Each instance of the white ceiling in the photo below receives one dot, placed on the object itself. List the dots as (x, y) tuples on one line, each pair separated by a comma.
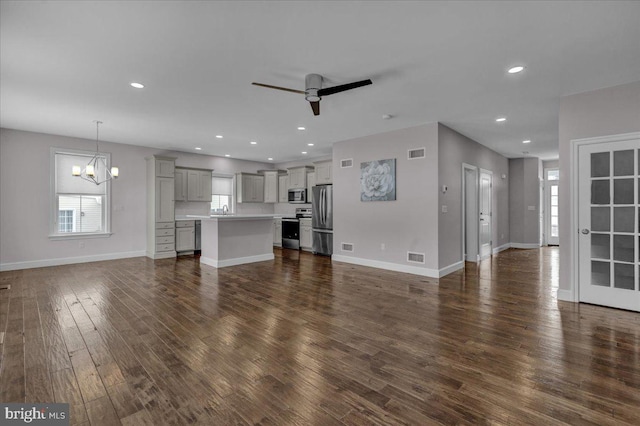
[(64, 64)]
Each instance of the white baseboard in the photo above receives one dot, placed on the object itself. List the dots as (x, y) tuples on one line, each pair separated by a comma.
[(425, 272), (565, 295), (451, 268), (525, 245), (236, 261), (501, 248), (69, 260), (161, 255)]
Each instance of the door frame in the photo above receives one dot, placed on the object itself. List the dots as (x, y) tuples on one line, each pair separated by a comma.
[(463, 226), (574, 208), (490, 173)]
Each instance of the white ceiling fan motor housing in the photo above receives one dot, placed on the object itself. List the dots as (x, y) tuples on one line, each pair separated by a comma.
[(312, 83)]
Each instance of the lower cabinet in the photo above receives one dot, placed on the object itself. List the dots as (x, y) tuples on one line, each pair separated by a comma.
[(277, 232), (185, 235), (306, 240)]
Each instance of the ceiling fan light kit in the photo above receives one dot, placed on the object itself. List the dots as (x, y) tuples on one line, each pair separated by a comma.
[(314, 92)]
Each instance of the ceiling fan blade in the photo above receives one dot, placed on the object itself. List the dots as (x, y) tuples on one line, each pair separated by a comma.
[(337, 89), (315, 106), (278, 88)]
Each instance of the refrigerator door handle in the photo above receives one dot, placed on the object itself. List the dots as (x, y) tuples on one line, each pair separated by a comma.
[(324, 206)]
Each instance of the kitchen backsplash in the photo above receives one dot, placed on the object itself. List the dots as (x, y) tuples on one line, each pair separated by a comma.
[(203, 209)]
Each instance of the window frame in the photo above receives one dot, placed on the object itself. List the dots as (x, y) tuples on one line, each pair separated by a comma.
[(232, 207), (54, 233)]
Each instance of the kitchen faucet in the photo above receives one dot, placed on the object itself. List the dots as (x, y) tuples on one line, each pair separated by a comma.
[(225, 209)]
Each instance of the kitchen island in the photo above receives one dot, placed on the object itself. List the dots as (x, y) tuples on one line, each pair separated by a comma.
[(229, 240)]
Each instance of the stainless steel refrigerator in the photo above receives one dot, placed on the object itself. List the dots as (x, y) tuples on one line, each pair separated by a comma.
[(322, 219)]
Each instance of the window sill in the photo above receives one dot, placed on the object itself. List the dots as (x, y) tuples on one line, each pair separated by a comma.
[(60, 237)]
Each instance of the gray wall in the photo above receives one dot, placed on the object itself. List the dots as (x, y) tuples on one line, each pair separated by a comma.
[(25, 202), (603, 112), (524, 191), (453, 150), (408, 224)]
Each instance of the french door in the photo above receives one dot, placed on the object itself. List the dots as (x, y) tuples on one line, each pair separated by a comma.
[(608, 223), (551, 212)]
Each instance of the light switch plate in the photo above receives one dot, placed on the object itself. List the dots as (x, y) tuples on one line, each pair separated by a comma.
[(532, 207)]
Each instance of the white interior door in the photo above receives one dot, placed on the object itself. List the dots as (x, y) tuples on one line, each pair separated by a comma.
[(551, 212), (485, 214), (608, 204), (470, 216)]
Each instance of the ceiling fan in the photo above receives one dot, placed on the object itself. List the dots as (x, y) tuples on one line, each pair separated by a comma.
[(314, 92)]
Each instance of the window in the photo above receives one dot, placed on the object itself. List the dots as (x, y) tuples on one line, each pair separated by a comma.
[(221, 194), (79, 208), (66, 221), (553, 174)]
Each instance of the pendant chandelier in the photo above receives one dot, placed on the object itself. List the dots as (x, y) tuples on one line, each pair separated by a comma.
[(93, 170)]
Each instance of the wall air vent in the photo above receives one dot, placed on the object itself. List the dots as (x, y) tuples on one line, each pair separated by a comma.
[(415, 257), (348, 162), (416, 153), (347, 247)]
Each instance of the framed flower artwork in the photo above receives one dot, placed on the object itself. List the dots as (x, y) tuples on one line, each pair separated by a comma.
[(378, 180)]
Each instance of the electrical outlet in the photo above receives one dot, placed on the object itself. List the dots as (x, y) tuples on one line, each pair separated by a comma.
[(382, 246), (444, 209), (81, 244)]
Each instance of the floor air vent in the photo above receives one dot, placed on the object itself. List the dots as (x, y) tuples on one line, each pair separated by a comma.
[(415, 257), (416, 153), (347, 247), (346, 163)]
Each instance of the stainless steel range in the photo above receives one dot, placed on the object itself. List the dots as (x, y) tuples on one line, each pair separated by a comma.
[(291, 229)]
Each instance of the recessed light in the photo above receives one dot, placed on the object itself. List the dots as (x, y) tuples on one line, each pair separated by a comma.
[(227, 155), (219, 136), (198, 148), (304, 152), (137, 85), (501, 119), (310, 144), (515, 70), (254, 143), (527, 141), (301, 128), (387, 116), (270, 159)]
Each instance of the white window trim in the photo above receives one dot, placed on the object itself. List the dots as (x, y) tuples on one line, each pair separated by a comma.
[(53, 200)]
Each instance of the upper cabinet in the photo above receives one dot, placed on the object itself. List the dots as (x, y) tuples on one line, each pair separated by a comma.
[(198, 185), (165, 168), (192, 185), (324, 172), (283, 188), (249, 188), (298, 177), (181, 185), (271, 184)]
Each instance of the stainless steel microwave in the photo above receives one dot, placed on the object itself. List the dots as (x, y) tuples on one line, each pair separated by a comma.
[(298, 196)]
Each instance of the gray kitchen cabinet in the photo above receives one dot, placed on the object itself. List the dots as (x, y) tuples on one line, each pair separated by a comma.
[(160, 207), (298, 177), (185, 236), (198, 185), (181, 185), (324, 172), (283, 188), (249, 188), (277, 232), (270, 185), (306, 240), (311, 182)]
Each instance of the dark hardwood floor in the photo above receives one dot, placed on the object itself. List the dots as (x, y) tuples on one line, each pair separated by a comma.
[(302, 341)]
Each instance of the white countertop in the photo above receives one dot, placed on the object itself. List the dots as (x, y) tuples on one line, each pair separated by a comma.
[(232, 216)]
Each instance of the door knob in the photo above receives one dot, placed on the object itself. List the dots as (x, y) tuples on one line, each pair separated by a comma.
[(585, 231)]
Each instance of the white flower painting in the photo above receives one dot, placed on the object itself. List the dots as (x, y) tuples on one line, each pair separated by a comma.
[(378, 180)]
